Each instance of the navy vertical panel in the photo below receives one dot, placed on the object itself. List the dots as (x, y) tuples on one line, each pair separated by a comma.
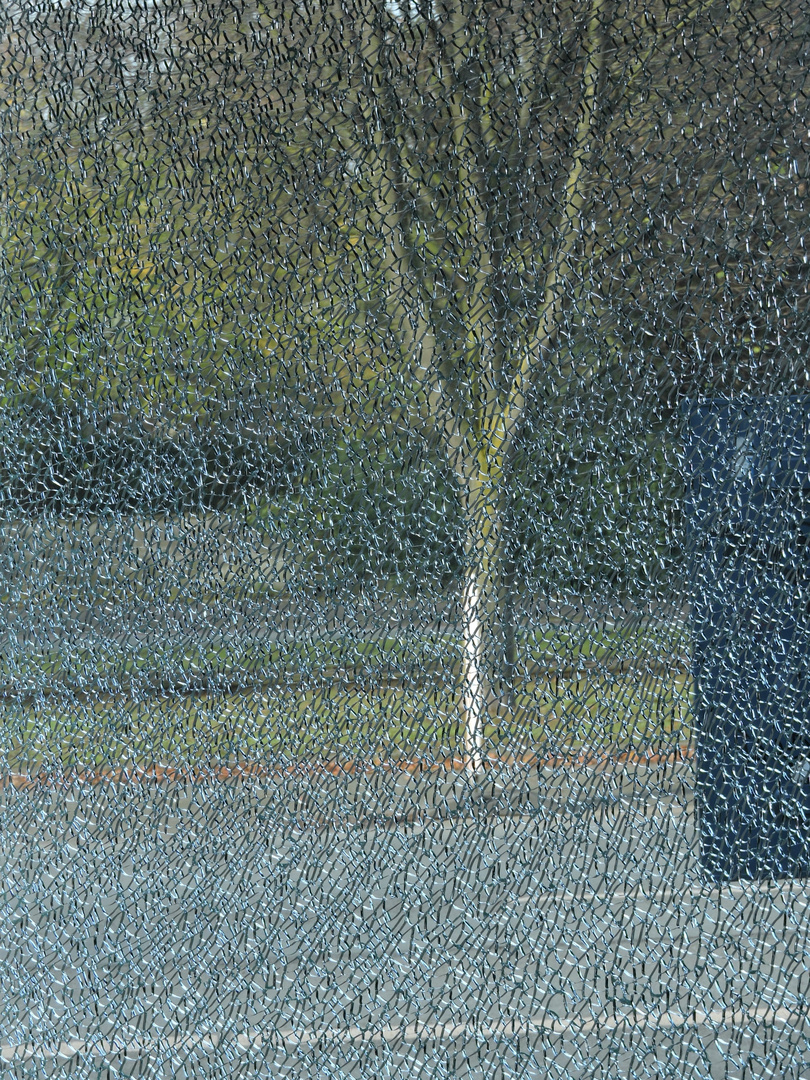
[(748, 524)]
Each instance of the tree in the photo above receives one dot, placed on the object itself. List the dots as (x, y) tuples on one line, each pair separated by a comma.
[(534, 197)]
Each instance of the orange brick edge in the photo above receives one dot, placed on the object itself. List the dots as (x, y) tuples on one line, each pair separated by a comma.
[(255, 771)]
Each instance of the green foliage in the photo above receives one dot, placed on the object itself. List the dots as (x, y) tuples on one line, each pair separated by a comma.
[(595, 495), (55, 462), (379, 511)]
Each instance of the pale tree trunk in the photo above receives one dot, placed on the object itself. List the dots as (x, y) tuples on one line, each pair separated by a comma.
[(475, 688), (485, 645)]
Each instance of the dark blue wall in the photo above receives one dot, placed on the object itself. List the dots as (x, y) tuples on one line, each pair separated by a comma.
[(748, 525)]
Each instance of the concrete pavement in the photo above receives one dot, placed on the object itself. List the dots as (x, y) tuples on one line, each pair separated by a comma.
[(549, 924)]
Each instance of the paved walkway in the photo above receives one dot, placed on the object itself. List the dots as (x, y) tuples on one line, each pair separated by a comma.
[(555, 925)]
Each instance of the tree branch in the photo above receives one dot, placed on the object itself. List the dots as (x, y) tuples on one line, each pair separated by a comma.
[(504, 425)]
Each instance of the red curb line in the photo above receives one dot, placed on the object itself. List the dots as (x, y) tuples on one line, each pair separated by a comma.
[(222, 773)]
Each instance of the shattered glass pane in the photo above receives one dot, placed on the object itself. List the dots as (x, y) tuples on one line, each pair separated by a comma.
[(404, 517)]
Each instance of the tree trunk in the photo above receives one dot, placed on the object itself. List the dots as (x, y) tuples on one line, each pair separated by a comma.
[(488, 646)]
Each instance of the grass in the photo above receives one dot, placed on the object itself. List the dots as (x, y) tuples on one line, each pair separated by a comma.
[(338, 697), (331, 718), (410, 655)]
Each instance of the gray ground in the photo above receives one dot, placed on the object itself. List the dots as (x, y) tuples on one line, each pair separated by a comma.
[(552, 925)]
